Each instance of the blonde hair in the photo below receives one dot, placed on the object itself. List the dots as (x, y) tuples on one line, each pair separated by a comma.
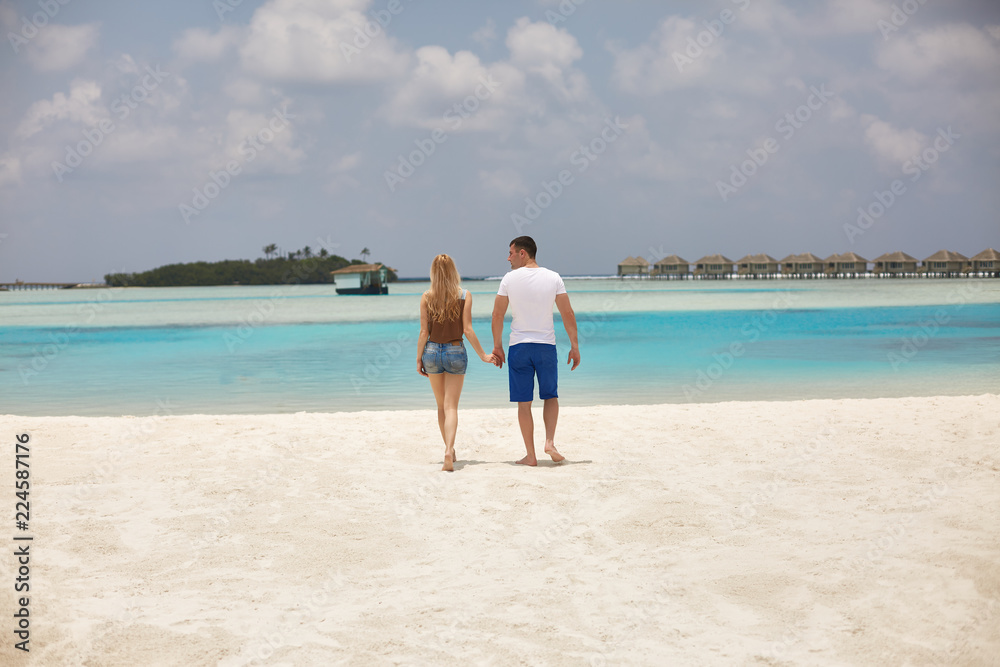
[(444, 301)]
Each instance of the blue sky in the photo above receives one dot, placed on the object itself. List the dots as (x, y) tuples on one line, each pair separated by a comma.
[(141, 134)]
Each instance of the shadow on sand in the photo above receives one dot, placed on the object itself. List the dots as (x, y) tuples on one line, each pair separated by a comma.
[(541, 463), (545, 463)]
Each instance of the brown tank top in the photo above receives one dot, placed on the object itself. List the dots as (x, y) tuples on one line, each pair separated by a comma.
[(449, 331)]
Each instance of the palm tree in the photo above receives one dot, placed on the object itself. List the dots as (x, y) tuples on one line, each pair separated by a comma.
[(364, 253), (270, 249), (307, 251), (323, 253)]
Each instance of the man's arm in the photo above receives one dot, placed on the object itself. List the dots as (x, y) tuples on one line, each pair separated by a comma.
[(499, 310), (569, 321)]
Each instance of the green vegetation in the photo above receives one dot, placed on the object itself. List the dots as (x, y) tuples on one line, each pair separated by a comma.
[(298, 266)]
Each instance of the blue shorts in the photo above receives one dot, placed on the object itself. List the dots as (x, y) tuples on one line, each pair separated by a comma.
[(524, 361), (444, 358)]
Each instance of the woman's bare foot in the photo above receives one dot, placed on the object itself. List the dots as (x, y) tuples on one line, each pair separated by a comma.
[(556, 456), (528, 461), (449, 462)]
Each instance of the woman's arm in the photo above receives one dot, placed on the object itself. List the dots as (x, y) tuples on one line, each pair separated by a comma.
[(470, 333), (424, 333)]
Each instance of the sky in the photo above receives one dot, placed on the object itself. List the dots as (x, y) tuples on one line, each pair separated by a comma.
[(134, 135)]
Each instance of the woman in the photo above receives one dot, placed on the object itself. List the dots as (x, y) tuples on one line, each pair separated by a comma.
[(446, 314)]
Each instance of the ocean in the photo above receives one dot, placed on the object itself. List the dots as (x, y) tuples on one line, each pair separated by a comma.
[(285, 349)]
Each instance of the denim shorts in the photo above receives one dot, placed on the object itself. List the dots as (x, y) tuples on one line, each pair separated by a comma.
[(444, 358)]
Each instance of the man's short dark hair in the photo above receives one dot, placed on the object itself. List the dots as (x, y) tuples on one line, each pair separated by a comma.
[(525, 243)]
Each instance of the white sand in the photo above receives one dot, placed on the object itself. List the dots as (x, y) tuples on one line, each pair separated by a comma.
[(814, 532)]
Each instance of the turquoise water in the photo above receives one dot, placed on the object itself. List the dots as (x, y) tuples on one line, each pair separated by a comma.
[(303, 348)]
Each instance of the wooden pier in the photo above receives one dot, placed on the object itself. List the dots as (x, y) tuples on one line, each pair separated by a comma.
[(20, 285)]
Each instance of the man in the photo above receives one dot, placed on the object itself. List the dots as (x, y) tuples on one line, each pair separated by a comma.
[(530, 290)]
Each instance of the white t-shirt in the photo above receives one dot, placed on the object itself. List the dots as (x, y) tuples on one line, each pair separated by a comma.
[(532, 293)]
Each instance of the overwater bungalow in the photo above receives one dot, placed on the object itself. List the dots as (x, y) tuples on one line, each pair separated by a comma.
[(846, 264), (757, 265), (633, 266), (806, 264), (945, 262), (788, 265), (714, 265), (988, 262), (372, 278), (672, 266), (895, 263)]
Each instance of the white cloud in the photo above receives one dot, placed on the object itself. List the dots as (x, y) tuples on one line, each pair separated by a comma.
[(486, 35), (455, 93), (245, 91), (320, 41), (670, 59), (82, 105), (841, 110), (955, 51), (541, 46), (542, 49), (764, 16), (279, 154), (10, 169), (851, 16), (892, 147), (199, 44), (59, 47)]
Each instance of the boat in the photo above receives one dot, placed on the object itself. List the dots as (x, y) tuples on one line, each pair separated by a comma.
[(372, 278)]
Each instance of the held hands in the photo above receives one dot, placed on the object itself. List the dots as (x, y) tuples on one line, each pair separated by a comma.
[(489, 358), (498, 356)]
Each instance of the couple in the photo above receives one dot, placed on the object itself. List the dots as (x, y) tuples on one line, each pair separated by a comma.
[(446, 314)]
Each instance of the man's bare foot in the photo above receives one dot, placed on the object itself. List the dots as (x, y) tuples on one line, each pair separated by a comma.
[(556, 456), (528, 461), (449, 461)]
